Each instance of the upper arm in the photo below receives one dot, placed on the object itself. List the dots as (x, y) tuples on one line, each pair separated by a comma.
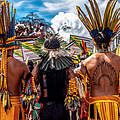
[(26, 70), (34, 73), (70, 73)]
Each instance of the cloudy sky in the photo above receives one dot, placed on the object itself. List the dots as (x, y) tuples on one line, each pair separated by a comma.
[(59, 13), (49, 8)]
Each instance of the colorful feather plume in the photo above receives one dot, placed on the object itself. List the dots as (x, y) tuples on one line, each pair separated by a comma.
[(95, 25), (7, 25)]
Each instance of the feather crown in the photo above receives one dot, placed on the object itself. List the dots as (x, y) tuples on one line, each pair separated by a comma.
[(102, 31), (7, 25)]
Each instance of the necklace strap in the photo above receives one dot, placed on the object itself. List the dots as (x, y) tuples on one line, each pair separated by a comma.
[(102, 51)]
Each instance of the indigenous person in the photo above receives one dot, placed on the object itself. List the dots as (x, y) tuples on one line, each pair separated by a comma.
[(17, 71), (12, 71), (83, 112), (43, 29), (102, 69), (52, 74)]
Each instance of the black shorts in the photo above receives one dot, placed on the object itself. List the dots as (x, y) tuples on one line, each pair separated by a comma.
[(92, 112), (54, 111)]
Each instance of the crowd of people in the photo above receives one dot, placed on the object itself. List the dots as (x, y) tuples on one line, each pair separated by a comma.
[(54, 88), (30, 30)]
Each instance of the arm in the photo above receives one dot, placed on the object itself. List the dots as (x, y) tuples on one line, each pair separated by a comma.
[(38, 75), (81, 73), (26, 72), (34, 73), (40, 80), (25, 76)]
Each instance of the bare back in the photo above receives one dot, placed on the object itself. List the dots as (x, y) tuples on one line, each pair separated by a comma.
[(16, 72), (103, 71)]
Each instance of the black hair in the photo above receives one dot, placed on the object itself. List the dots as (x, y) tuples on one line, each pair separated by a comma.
[(30, 65), (52, 43), (102, 40)]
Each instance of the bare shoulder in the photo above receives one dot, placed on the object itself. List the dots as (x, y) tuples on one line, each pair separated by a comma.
[(89, 59), (21, 64), (114, 60), (116, 57), (97, 58), (90, 62)]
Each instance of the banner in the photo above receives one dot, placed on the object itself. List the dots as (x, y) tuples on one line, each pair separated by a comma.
[(27, 51), (78, 40)]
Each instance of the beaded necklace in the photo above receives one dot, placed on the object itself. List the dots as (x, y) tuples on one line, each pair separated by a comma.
[(72, 99), (4, 93), (102, 51)]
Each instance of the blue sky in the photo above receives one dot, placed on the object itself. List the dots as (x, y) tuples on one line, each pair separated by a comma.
[(48, 9), (59, 13)]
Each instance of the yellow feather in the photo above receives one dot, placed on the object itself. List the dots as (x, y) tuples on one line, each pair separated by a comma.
[(0, 25), (87, 20), (111, 12), (98, 13), (27, 60), (115, 24), (83, 21), (114, 17), (94, 13), (91, 17), (2, 20), (114, 29), (1, 29), (105, 14), (3, 2), (6, 20)]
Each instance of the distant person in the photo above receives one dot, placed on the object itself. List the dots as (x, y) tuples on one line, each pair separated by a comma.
[(17, 71), (42, 29), (12, 71)]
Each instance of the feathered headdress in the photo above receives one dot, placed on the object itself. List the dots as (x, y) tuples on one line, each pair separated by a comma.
[(57, 58), (7, 25), (102, 32)]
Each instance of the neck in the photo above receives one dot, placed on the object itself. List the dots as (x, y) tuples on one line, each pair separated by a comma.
[(102, 50)]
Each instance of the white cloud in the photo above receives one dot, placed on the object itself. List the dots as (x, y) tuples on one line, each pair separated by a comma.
[(68, 24), (18, 4), (70, 18), (57, 5), (23, 3), (66, 5), (69, 6)]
